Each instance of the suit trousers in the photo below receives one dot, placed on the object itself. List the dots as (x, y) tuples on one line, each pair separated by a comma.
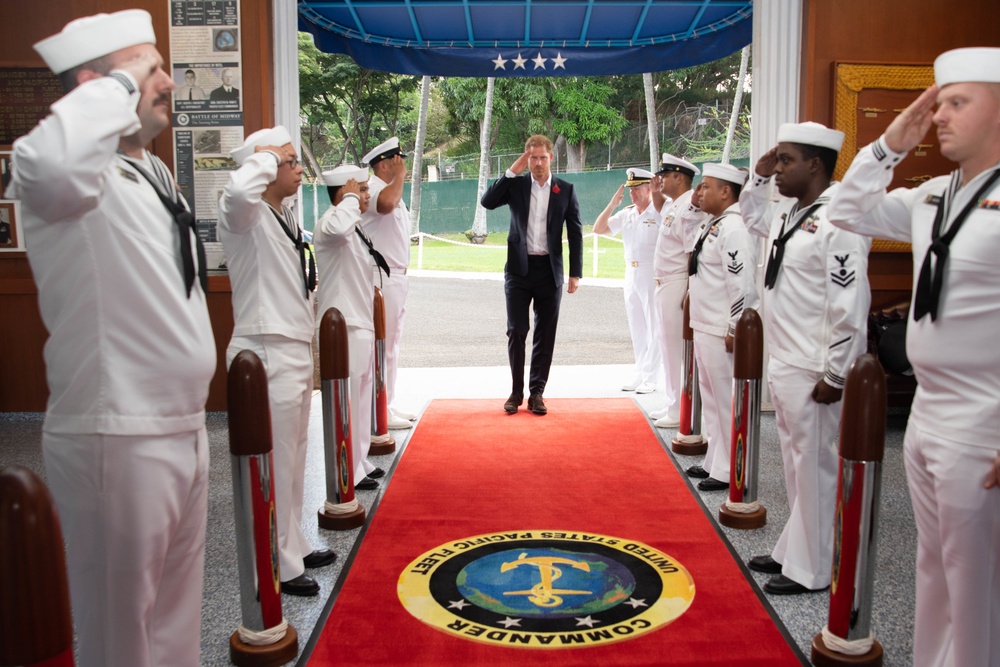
[(715, 378), (289, 365), (538, 290), (133, 511), (669, 297)]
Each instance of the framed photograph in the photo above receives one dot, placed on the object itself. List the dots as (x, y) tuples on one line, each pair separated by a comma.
[(5, 166), (11, 238)]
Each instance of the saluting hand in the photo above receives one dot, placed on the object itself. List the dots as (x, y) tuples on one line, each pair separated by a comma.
[(909, 127), (141, 67), (350, 186), (617, 198), (767, 162), (520, 164)]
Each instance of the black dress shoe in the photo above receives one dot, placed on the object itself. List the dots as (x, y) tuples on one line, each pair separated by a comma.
[(319, 558), (697, 471), (712, 484), (513, 403), (377, 473), (764, 564), (302, 585), (779, 584), (537, 405), (367, 484)]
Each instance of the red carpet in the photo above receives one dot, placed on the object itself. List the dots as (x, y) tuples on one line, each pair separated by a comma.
[(591, 475)]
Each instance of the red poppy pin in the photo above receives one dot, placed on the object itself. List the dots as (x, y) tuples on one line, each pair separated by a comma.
[(555, 189)]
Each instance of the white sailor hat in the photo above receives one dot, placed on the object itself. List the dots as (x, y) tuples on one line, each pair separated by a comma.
[(91, 37), (725, 172), (638, 177), (812, 134), (383, 151), (345, 172), (671, 163), (979, 64), (269, 136)]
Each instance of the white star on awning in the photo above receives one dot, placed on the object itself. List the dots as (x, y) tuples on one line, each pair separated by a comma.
[(558, 61), (519, 62), (539, 61), (499, 62)]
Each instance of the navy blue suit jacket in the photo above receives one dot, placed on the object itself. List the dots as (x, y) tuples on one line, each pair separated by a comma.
[(563, 209)]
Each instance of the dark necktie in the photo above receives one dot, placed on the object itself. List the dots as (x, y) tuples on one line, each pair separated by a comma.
[(308, 275), (190, 94), (927, 297), (696, 251), (165, 189), (379, 259), (778, 247)]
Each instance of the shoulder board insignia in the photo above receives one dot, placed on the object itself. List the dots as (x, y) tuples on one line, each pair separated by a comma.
[(630, 206), (933, 200), (128, 174)]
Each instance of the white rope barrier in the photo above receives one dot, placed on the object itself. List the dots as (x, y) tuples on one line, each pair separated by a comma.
[(421, 236)]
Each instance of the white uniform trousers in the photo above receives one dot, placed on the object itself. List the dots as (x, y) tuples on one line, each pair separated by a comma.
[(394, 288), (133, 511), (808, 432), (641, 312), (668, 298), (289, 366), (715, 379), (361, 359), (957, 620)]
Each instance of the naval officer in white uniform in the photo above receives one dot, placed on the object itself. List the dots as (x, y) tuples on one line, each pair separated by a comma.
[(816, 302), (952, 446), (130, 352)]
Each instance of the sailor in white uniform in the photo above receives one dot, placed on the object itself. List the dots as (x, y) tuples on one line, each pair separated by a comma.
[(387, 223), (344, 257), (638, 225), (273, 277), (721, 273), (130, 352), (952, 446), (816, 302), (671, 190)]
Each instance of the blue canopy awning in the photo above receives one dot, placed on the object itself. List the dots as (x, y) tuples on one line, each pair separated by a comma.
[(506, 38)]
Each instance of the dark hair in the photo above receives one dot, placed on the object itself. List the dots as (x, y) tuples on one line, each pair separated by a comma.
[(827, 156), (332, 190), (100, 65), (188, 71)]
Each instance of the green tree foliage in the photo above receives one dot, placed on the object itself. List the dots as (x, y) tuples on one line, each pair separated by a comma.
[(583, 116), (521, 107)]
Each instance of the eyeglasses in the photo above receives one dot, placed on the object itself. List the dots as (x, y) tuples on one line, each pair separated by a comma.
[(293, 163)]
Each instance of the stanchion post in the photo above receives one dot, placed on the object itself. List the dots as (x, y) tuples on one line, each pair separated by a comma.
[(341, 511), (689, 441), (256, 533), (382, 442), (36, 624), (846, 639), (742, 510)]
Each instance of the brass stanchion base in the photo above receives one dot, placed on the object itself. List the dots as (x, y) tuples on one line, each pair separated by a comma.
[(822, 656), (740, 521), (282, 651), (382, 448), (696, 448), (341, 521)]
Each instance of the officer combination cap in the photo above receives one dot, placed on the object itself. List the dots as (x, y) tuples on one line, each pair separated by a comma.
[(725, 172), (345, 172), (811, 134), (91, 37), (383, 151), (980, 64), (671, 163), (271, 136), (638, 177)]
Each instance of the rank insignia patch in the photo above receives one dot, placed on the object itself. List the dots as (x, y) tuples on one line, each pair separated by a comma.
[(842, 276), (543, 589), (735, 267)]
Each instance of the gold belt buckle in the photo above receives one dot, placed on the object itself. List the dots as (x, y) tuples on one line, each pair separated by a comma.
[(635, 264)]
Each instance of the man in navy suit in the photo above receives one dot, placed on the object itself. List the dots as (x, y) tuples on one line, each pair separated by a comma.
[(540, 205)]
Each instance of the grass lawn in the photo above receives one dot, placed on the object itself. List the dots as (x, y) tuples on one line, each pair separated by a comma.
[(491, 256)]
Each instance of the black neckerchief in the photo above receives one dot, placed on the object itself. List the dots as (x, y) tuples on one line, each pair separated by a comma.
[(778, 247), (308, 274), (693, 259), (927, 296), (379, 259)]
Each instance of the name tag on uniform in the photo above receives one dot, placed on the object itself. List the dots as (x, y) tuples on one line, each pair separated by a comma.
[(128, 174), (989, 204)]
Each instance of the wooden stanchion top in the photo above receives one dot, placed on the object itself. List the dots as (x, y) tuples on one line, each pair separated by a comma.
[(862, 422), (748, 347), (686, 305), (249, 410), (35, 619), (334, 362), (379, 315)]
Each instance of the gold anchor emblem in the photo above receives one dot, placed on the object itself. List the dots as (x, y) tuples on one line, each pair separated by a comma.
[(542, 593)]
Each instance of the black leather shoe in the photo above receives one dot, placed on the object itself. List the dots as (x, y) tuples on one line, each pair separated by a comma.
[(764, 564), (377, 473), (537, 405), (319, 558), (513, 403), (697, 471), (779, 584), (367, 484), (712, 484), (302, 585)]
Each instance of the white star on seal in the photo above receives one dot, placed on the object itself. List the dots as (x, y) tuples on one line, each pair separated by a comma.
[(519, 61), (509, 622), (499, 62), (458, 604), (558, 61), (635, 604), (539, 61), (588, 621)]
